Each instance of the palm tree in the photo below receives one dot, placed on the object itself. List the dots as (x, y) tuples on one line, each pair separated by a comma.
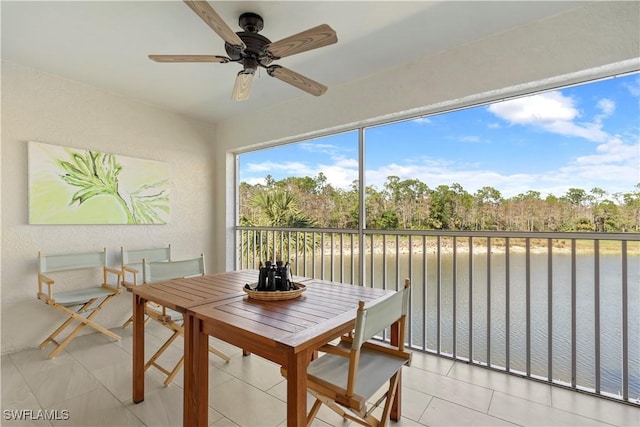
[(279, 209)]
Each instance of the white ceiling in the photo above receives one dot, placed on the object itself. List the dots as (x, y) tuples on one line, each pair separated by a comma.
[(106, 43)]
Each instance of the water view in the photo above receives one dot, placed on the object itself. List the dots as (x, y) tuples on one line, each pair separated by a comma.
[(493, 300)]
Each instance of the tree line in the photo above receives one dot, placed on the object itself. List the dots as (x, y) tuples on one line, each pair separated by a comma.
[(411, 204)]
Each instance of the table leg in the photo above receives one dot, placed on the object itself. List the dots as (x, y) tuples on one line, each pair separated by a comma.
[(138, 349), (396, 408), (297, 389), (196, 373)]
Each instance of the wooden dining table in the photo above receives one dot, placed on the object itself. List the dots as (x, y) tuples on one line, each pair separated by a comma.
[(287, 332)]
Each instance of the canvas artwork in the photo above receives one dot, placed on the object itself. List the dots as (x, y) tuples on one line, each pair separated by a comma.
[(75, 186)]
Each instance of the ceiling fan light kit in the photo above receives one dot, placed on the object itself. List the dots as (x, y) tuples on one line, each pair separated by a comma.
[(254, 50), (242, 87)]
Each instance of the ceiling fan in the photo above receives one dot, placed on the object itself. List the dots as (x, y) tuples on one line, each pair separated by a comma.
[(253, 50)]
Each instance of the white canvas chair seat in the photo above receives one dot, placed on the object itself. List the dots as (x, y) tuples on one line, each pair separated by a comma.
[(80, 305), (350, 373), (155, 272), (81, 296), (131, 259)]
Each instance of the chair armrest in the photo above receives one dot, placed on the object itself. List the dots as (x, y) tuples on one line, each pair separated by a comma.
[(113, 270), (381, 347), (47, 281), (134, 274), (332, 349), (118, 273), (390, 350)]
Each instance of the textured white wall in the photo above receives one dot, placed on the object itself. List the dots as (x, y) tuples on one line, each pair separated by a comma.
[(41, 107), (596, 40)]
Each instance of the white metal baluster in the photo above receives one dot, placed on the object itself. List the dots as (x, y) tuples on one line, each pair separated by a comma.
[(625, 323), (438, 293), (470, 299), (507, 302), (574, 348), (528, 304), (489, 301), (596, 314), (549, 309), (454, 279)]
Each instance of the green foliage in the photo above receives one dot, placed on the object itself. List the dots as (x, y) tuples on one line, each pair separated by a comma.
[(411, 204), (275, 208)]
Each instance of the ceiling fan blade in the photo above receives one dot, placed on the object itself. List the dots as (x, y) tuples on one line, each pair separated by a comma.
[(189, 58), (242, 87), (213, 20), (313, 38), (297, 80)]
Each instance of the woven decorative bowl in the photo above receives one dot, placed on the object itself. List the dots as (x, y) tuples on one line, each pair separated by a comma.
[(275, 295)]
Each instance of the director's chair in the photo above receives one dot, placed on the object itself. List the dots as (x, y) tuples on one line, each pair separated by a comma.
[(155, 272), (79, 304), (348, 376)]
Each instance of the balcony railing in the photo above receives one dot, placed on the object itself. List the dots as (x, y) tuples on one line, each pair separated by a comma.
[(562, 308)]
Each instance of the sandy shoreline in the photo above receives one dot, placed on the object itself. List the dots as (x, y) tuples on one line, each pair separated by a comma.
[(460, 248)]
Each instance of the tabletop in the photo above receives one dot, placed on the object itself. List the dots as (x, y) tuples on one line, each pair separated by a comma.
[(183, 293), (300, 323)]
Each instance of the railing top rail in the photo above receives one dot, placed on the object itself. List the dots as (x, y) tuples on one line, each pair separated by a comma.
[(632, 237)]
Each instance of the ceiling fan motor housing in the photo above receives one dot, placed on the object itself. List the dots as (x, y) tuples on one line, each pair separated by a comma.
[(251, 22), (254, 54)]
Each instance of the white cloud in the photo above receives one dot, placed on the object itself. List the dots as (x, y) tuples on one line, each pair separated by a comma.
[(472, 139), (347, 162), (607, 106), (339, 176), (329, 149), (296, 168), (589, 131), (553, 112), (633, 87), (422, 120), (538, 109)]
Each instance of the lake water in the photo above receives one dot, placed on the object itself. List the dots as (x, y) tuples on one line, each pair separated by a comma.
[(492, 299)]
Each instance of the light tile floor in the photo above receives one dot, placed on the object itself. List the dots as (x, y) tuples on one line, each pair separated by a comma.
[(91, 382)]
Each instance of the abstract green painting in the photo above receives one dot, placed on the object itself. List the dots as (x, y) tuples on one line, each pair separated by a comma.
[(74, 186)]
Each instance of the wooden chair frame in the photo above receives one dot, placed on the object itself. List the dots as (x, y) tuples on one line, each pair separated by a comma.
[(384, 361), (83, 299), (154, 272), (131, 257)]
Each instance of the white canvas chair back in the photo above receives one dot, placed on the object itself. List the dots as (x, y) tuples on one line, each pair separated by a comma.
[(372, 320), (132, 257), (135, 256), (162, 271), (51, 263), (131, 263)]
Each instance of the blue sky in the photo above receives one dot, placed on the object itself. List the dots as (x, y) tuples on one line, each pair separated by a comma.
[(584, 136)]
